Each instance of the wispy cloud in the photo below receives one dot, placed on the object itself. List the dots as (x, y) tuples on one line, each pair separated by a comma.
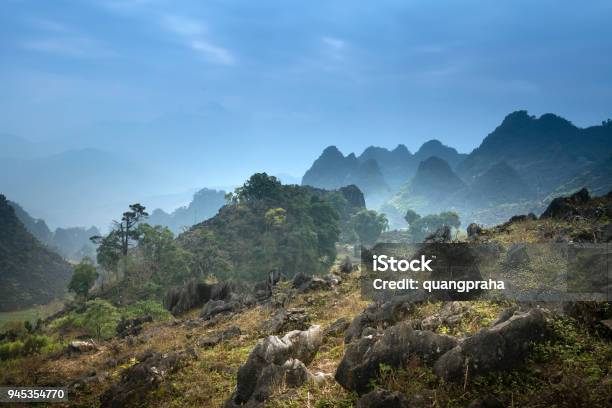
[(69, 46), (214, 53), (334, 43), (194, 34)]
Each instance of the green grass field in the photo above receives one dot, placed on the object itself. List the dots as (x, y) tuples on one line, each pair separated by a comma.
[(31, 314)]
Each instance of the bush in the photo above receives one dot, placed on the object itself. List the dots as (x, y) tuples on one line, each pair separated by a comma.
[(146, 308), (30, 344), (11, 350)]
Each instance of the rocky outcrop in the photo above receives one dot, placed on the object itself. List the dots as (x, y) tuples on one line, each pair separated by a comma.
[(337, 328), (498, 347), (143, 377), (566, 207), (378, 315), (273, 361), (211, 340), (450, 316), (305, 283), (80, 346), (213, 308), (392, 347), (131, 327), (286, 320), (195, 294)]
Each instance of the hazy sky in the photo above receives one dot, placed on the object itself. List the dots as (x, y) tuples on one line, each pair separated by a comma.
[(215, 90)]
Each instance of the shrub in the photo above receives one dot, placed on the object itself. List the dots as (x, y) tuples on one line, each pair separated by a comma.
[(146, 308)]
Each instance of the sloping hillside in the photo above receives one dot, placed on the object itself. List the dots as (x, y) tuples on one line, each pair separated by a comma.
[(29, 273)]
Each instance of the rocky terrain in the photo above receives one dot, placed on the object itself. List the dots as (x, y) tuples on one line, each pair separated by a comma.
[(314, 342)]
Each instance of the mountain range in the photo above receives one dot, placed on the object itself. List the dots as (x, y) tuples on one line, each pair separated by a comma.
[(71, 243), (519, 167)]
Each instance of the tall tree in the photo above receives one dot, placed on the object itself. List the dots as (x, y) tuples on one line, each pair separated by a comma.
[(117, 242)]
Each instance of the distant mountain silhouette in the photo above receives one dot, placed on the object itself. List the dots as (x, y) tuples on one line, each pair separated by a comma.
[(378, 172), (435, 148), (546, 151), (29, 272), (333, 170), (72, 243), (205, 204), (500, 184)]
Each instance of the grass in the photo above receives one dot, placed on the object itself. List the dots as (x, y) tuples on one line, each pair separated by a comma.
[(31, 314)]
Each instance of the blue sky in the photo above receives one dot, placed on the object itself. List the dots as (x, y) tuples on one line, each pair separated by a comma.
[(211, 91)]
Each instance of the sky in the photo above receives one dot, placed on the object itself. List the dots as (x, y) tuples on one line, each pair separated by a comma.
[(212, 91)]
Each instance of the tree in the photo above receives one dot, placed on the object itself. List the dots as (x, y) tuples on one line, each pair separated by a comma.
[(100, 318), (369, 225), (411, 216), (423, 226), (83, 278), (117, 243), (163, 259), (259, 186)]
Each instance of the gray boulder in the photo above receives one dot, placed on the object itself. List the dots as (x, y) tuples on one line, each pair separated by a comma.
[(363, 357), (379, 315), (337, 328), (495, 348), (276, 359), (286, 320), (215, 307)]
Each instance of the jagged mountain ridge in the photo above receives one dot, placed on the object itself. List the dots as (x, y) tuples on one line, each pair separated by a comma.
[(71, 243), (378, 172), (546, 151)]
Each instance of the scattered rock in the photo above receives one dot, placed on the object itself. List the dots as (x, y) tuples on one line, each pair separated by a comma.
[(498, 347), (132, 327), (137, 380), (215, 307), (376, 314), (474, 230), (305, 283), (363, 358), (286, 320), (275, 359), (80, 346), (337, 328), (564, 208), (213, 339), (194, 294), (450, 315), (383, 399)]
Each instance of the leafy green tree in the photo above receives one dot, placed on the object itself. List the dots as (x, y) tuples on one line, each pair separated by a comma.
[(369, 225), (83, 278), (164, 260), (411, 216), (423, 226), (100, 318), (260, 186)]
